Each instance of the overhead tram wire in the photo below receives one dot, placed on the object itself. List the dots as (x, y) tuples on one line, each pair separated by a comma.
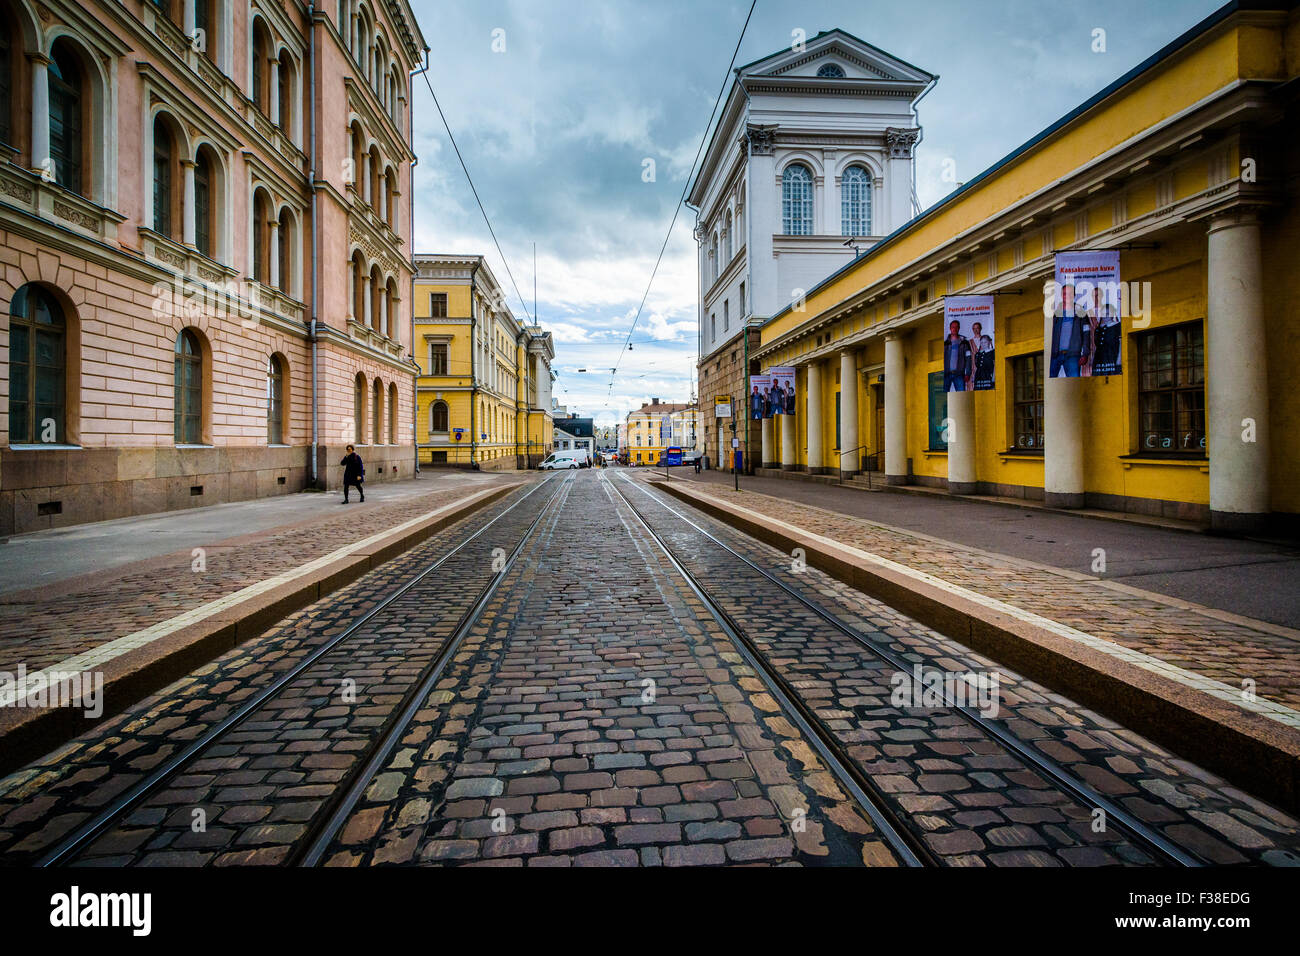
[(681, 199), (505, 262)]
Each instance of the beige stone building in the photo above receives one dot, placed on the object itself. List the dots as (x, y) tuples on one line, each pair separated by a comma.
[(205, 247)]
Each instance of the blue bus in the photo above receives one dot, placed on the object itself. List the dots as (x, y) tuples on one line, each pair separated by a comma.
[(671, 456)]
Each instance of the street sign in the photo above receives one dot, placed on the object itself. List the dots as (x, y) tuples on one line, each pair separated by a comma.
[(722, 406)]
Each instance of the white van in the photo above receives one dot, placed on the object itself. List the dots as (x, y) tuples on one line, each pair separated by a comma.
[(563, 459)]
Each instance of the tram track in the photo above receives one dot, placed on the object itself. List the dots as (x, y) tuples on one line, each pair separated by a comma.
[(366, 625), (747, 576)]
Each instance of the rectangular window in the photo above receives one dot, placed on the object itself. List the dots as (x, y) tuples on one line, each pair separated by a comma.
[(162, 189), (726, 314), (713, 326), (1027, 402), (1171, 391), (438, 358), (938, 413), (740, 305), (438, 305)]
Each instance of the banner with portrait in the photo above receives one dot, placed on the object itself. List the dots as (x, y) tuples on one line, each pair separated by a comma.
[(781, 394), (968, 357), (760, 399), (1086, 311)]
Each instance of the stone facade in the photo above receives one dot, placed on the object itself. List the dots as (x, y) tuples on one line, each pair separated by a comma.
[(723, 373), (182, 230)]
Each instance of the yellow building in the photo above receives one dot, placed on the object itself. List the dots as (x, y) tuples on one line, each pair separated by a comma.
[(1183, 166), (649, 431), (484, 391)]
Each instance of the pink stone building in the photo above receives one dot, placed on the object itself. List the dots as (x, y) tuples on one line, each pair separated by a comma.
[(205, 231)]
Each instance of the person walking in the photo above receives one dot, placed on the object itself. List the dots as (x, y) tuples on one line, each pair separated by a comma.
[(354, 473)]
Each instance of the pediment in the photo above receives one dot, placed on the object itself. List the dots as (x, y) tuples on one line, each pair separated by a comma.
[(857, 59)]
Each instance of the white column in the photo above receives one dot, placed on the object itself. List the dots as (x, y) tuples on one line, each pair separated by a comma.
[(788, 457), (769, 453), (961, 443), (274, 95), (1236, 356), (850, 454), (188, 212), (41, 112), (187, 20), (273, 251), (814, 388), (895, 412), (1063, 441)]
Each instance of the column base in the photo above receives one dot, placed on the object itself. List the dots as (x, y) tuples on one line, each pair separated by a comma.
[(895, 479), (820, 470), (1058, 499), (963, 487), (1234, 522), (771, 464), (785, 467), (846, 475)]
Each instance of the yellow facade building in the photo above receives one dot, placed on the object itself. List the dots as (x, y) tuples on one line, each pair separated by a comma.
[(650, 430), (1184, 166), (484, 390)]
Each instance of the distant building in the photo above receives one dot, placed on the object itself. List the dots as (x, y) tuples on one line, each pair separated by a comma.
[(571, 433), (484, 392), (649, 430)]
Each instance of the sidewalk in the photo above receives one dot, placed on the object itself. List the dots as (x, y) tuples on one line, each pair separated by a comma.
[(1251, 578), (150, 594)]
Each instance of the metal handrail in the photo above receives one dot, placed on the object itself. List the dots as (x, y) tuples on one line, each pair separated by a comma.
[(850, 452)]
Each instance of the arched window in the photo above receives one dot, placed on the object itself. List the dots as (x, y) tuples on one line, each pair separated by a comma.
[(855, 202), (285, 91), (376, 178), (205, 202), (166, 215), (376, 298), (275, 401), (715, 266), (797, 200), (188, 389), (377, 414), (68, 120), (438, 418), (390, 196), (392, 413), (359, 410), (831, 71), (284, 250), (726, 234), (262, 67), (11, 48), (357, 180), (37, 361), (262, 237), (358, 288), (390, 308)]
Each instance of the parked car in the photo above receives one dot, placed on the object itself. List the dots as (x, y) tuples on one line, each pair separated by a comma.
[(563, 459)]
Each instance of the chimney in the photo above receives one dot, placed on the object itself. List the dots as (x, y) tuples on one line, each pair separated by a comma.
[(654, 401)]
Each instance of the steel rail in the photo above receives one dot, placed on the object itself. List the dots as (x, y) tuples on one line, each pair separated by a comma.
[(1142, 834), (910, 849), (130, 799)]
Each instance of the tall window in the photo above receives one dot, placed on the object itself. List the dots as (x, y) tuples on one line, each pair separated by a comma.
[(359, 410), (37, 356), (1171, 390), (275, 401), (740, 303), (713, 257), (855, 202), (262, 91), (726, 314), (67, 117), (438, 305), (8, 35), (797, 201), (164, 194), (205, 19), (261, 237), (1027, 401), (438, 358), (377, 413), (188, 389), (938, 413), (285, 92), (713, 326), (203, 200), (284, 250), (392, 413), (727, 241)]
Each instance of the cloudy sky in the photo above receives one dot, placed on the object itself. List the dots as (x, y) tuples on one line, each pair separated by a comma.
[(557, 104)]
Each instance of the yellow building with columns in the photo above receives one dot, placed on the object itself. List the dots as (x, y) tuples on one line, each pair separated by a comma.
[(1186, 166), (484, 390)]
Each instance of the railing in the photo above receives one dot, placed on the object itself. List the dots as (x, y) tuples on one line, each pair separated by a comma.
[(861, 458)]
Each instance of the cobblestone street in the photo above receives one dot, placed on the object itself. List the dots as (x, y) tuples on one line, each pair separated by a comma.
[(529, 687)]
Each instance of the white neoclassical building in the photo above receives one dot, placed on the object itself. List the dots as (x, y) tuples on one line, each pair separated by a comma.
[(811, 161)]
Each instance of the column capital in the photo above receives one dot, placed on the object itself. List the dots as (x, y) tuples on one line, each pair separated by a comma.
[(1235, 216), (39, 59)]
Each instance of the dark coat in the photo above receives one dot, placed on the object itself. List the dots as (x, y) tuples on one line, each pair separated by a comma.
[(354, 469), (962, 346)]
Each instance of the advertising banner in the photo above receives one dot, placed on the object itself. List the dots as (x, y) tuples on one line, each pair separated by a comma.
[(968, 343), (760, 401), (1086, 304), (781, 394)]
